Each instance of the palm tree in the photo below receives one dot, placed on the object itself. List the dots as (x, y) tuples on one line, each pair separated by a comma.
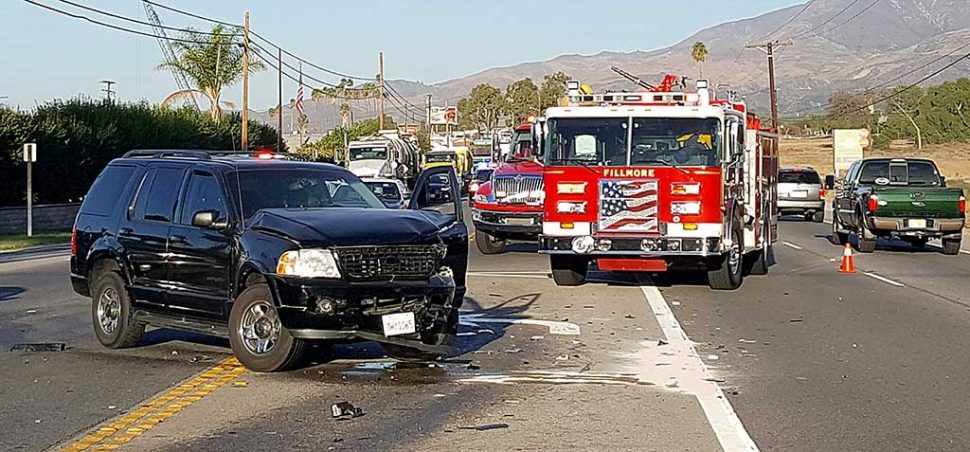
[(345, 114), (212, 62), (699, 53)]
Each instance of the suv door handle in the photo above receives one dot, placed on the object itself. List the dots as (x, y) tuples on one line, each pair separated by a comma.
[(179, 238)]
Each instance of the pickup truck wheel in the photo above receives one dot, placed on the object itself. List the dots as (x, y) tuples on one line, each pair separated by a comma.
[(443, 336), (951, 247), (728, 275), (111, 311), (867, 240), (569, 270), (489, 244), (258, 339), (819, 216), (840, 238)]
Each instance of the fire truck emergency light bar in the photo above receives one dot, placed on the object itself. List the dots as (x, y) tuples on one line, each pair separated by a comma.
[(687, 99)]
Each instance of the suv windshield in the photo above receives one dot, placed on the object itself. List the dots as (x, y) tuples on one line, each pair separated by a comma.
[(653, 141), (483, 175), (300, 189), (375, 153), (798, 177)]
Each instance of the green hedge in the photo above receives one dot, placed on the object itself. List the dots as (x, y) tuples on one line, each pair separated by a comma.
[(77, 138)]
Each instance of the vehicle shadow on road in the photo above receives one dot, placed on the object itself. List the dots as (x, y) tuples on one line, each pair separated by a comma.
[(163, 336), (895, 246), (10, 293)]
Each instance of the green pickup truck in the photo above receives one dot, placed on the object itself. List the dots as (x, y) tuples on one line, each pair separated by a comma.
[(897, 198)]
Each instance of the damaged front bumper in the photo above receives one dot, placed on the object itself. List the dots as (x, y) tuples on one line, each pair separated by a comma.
[(315, 309)]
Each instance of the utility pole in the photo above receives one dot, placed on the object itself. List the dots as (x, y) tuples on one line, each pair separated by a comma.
[(279, 111), (381, 82), (245, 103), (107, 88), (769, 48), (429, 115)]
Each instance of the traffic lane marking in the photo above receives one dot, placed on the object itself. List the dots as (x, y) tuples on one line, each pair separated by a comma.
[(115, 433), (727, 426), (883, 279), (792, 245)]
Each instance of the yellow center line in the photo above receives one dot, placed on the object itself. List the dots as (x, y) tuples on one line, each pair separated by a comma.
[(121, 430)]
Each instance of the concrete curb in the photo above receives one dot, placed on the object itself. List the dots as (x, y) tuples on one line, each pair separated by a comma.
[(34, 252)]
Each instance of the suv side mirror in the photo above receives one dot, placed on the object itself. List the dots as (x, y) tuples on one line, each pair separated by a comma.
[(830, 182), (209, 219), (942, 181)]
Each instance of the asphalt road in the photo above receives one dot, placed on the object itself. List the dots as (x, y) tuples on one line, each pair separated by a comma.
[(808, 359)]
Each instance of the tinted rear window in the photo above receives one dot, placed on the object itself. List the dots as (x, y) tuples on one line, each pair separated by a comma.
[(106, 192), (798, 177)]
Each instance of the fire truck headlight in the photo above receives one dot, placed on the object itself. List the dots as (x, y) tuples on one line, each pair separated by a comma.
[(480, 199), (571, 207), (685, 208), (584, 245), (680, 188), (604, 244), (571, 188)]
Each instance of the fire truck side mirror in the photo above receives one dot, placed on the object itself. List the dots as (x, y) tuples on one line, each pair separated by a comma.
[(735, 130), (538, 137)]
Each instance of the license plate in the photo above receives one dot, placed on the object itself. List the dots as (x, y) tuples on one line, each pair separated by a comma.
[(918, 224), (799, 194), (520, 221), (398, 324)]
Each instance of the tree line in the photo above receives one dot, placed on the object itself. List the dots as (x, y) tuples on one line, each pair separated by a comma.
[(77, 138), (933, 115), (487, 105)]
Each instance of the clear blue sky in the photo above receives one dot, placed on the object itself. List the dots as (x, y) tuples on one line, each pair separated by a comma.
[(47, 55)]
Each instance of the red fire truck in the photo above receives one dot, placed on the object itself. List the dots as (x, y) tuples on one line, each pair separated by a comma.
[(509, 206), (659, 180)]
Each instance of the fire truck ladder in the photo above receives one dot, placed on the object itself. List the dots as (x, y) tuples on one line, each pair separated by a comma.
[(167, 51), (667, 85)]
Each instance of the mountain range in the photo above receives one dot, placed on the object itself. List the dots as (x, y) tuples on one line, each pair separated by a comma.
[(834, 48)]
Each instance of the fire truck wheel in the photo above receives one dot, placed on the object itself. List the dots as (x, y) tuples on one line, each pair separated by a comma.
[(569, 270), (728, 275), (488, 244), (757, 262)]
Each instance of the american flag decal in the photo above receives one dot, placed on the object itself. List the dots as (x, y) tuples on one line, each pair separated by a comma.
[(628, 206)]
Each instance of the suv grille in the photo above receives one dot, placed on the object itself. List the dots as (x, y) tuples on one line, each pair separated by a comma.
[(368, 263), (519, 189)]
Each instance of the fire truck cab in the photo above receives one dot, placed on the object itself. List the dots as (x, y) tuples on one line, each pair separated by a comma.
[(655, 181)]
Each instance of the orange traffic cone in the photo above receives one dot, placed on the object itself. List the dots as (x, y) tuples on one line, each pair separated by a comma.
[(847, 265)]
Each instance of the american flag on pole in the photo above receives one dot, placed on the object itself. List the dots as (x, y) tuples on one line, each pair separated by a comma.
[(628, 206), (299, 94)]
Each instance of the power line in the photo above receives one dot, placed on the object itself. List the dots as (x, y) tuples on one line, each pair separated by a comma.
[(819, 26), (402, 98), (128, 19), (886, 83), (412, 110), (257, 35), (105, 24), (850, 19), (796, 16), (914, 85)]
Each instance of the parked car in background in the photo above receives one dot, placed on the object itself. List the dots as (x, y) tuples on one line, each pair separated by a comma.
[(898, 198), (800, 192), (481, 176), (392, 192)]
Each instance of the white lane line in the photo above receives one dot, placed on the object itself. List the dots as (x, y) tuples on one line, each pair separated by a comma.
[(720, 414), (792, 245), (965, 251), (505, 275), (883, 279)]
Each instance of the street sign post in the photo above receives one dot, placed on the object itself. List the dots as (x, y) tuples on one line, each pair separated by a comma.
[(848, 146), (30, 156)]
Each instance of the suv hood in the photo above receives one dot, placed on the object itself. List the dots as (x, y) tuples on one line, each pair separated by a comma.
[(332, 226)]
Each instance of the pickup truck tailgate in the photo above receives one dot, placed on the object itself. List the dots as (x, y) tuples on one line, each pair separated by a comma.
[(919, 202)]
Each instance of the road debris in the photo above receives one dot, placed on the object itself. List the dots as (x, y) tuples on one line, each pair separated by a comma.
[(484, 427), (745, 341), (514, 350), (629, 316), (39, 347), (675, 303), (344, 409), (31, 311), (661, 343), (562, 358), (240, 384), (537, 338), (712, 357), (798, 320)]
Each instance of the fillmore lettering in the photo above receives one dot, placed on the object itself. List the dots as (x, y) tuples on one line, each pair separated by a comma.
[(628, 172)]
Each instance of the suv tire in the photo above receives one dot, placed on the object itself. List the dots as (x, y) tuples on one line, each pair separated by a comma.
[(254, 325), (442, 336), (729, 276), (112, 313), (569, 270), (489, 244), (951, 247), (818, 217)]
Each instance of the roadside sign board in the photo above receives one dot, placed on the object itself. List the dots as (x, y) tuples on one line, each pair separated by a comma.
[(444, 115), (30, 152), (848, 146)]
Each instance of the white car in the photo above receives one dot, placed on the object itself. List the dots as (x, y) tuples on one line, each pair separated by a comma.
[(394, 193)]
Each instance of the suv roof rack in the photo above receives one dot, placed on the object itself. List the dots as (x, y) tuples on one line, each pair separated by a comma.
[(158, 154)]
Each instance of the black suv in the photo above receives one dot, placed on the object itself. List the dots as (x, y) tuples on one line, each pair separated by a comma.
[(269, 253)]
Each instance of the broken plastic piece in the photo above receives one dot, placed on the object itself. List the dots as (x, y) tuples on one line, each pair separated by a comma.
[(486, 427), (342, 409), (41, 347)]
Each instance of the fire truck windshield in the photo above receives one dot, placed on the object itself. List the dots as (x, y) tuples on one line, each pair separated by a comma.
[(653, 141)]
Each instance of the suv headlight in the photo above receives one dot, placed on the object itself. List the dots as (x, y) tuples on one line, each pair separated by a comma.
[(308, 264)]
